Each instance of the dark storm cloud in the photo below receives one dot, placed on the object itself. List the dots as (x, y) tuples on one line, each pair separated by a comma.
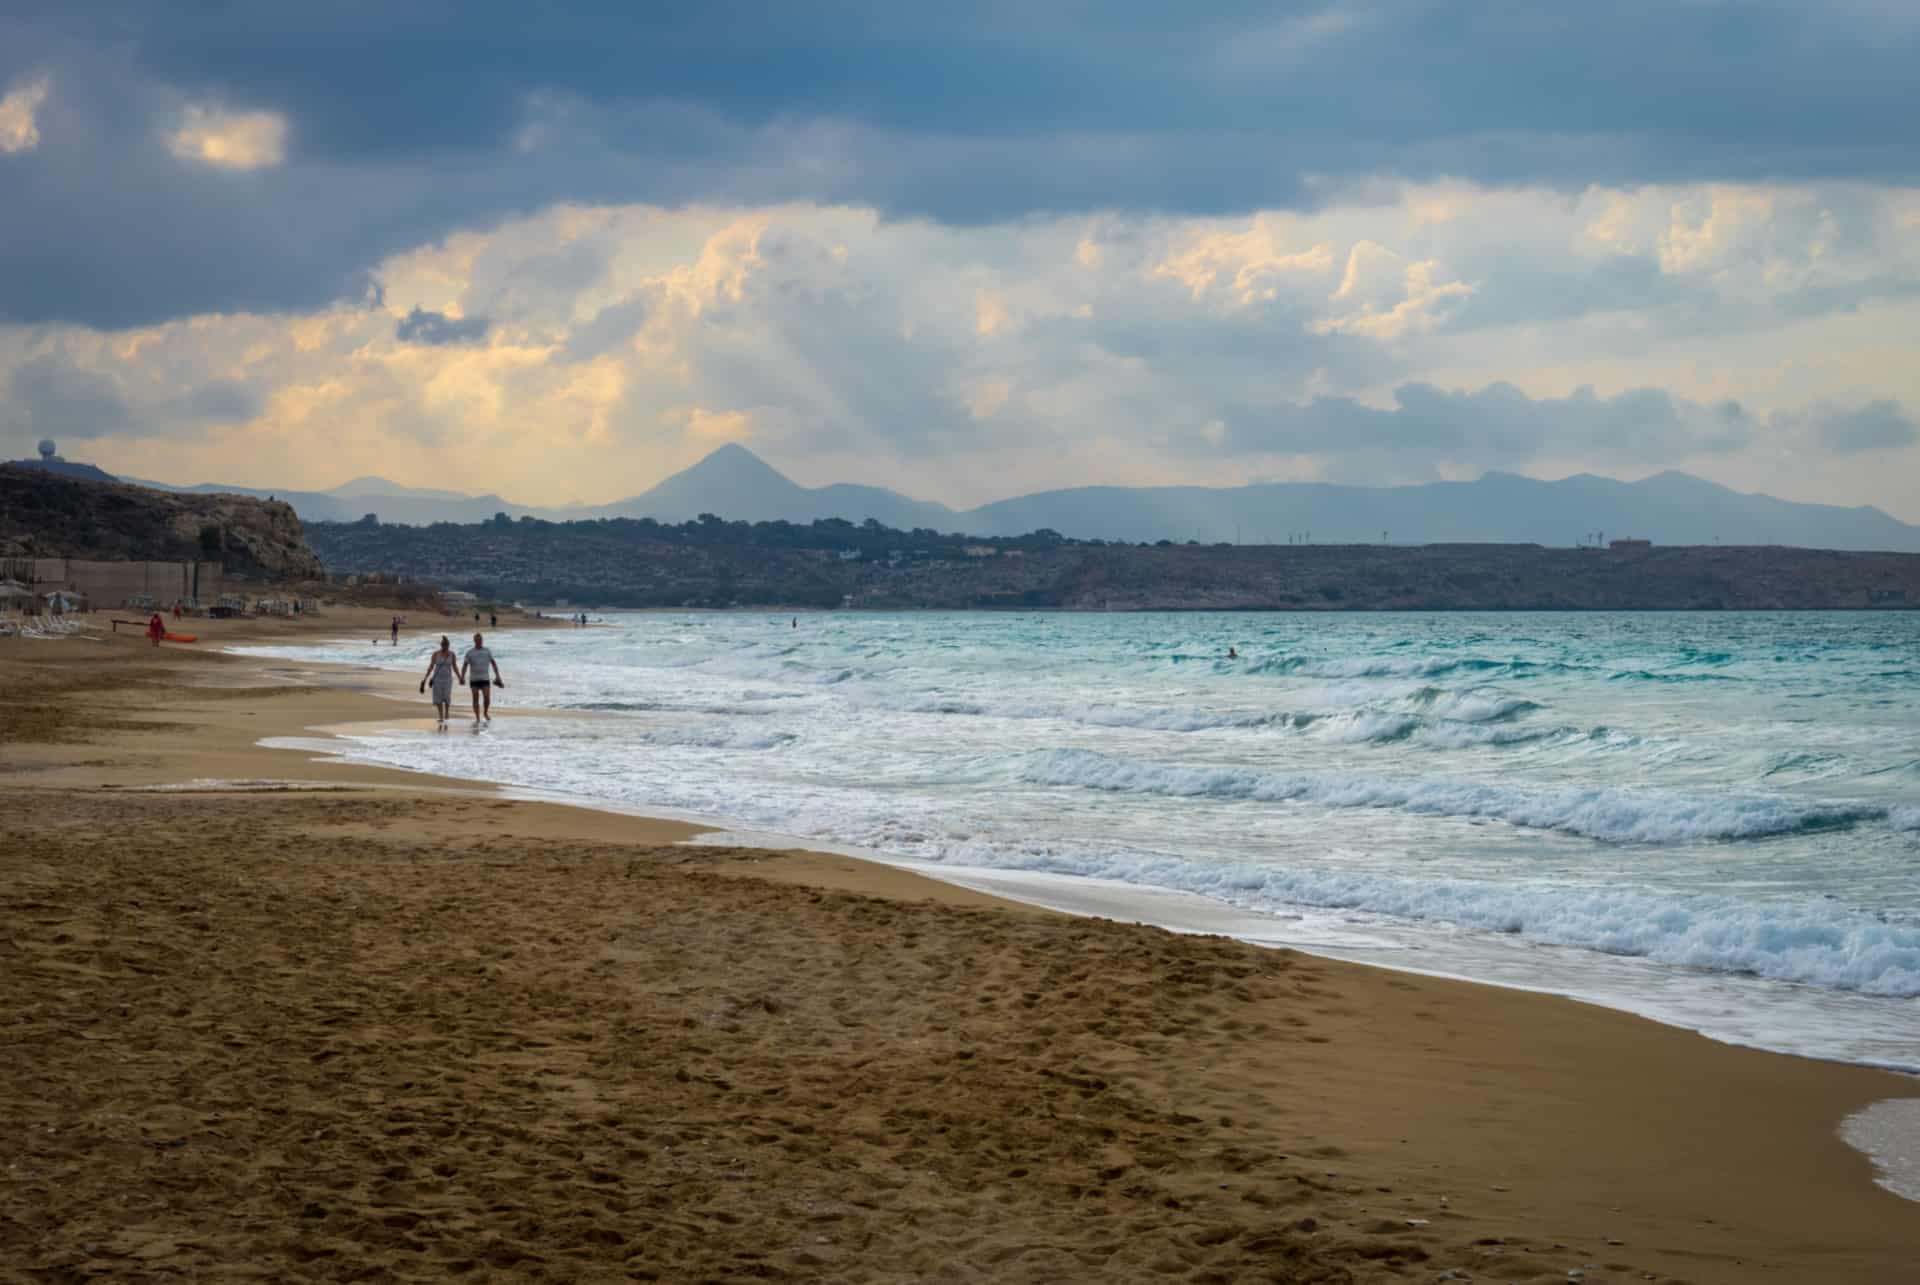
[(423, 327), (407, 121), (425, 77)]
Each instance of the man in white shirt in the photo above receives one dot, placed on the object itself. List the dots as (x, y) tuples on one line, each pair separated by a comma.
[(480, 673)]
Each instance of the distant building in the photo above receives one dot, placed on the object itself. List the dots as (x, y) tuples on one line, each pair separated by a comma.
[(51, 461), (1630, 543), (979, 551)]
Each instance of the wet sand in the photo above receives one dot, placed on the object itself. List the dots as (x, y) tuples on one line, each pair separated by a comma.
[(314, 1021)]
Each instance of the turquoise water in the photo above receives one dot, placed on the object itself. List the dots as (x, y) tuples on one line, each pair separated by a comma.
[(1711, 818)]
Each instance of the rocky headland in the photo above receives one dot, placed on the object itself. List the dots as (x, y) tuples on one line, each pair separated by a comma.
[(46, 515)]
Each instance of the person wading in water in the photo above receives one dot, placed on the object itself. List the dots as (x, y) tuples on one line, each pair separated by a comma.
[(442, 667), (481, 673)]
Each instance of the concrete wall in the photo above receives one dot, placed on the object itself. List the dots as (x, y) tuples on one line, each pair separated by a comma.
[(108, 584)]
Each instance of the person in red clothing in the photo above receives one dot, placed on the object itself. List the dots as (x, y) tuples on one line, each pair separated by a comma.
[(155, 628)]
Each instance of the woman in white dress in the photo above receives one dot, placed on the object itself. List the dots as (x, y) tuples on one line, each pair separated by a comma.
[(441, 667)]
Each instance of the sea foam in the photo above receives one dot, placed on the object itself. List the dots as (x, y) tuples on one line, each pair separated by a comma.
[(1614, 815), (1810, 943)]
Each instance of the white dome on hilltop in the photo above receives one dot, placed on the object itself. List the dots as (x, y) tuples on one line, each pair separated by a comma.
[(46, 448)]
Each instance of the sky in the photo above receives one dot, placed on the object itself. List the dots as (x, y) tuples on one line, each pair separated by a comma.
[(966, 251)]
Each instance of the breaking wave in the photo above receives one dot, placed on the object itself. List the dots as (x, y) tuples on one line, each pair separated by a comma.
[(1612, 815), (1808, 943), (1436, 715)]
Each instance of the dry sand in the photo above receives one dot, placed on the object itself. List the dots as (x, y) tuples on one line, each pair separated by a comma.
[(384, 1029)]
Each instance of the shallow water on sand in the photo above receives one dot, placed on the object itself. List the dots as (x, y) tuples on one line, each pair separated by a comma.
[(1713, 819)]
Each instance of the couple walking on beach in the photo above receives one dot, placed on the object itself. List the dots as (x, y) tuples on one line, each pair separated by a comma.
[(479, 671)]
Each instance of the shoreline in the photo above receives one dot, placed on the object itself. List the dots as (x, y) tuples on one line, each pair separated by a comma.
[(1522, 1116), (1081, 896), (1741, 1011)]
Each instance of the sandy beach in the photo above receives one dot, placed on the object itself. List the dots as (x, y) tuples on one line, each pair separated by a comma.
[(278, 1019)]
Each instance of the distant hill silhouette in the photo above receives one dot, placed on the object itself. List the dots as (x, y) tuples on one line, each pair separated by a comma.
[(1668, 508), (351, 501), (65, 468), (734, 483)]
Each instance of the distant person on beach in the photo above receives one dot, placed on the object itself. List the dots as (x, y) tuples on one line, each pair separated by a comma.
[(481, 673), (156, 627), (493, 620), (442, 666), (395, 629)]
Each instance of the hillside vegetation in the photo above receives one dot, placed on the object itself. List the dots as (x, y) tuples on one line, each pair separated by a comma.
[(712, 563)]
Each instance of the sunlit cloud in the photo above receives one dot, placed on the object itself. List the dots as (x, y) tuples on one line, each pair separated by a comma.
[(710, 427), (1382, 297), (1248, 267), (230, 140), (584, 352), (990, 315), (19, 114), (1706, 232), (987, 396)]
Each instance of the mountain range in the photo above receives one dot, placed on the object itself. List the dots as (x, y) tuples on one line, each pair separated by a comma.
[(734, 483)]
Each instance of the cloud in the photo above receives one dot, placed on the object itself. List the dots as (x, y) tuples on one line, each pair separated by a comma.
[(968, 115), (230, 140), (709, 427), (1249, 267), (1877, 426), (60, 393), (601, 346), (1498, 425), (990, 316), (423, 327), (1383, 297), (220, 401), (19, 110), (50, 397)]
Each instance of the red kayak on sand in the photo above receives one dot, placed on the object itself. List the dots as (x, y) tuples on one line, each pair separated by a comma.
[(181, 637)]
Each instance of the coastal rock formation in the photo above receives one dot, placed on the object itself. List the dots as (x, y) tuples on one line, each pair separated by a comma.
[(45, 515)]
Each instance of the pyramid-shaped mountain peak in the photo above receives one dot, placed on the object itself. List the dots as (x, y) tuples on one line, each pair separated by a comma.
[(733, 461), (731, 481)]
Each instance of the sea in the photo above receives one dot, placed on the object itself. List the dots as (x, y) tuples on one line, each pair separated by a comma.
[(1712, 820)]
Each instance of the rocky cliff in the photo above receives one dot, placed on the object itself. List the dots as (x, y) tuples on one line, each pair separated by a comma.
[(46, 515)]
